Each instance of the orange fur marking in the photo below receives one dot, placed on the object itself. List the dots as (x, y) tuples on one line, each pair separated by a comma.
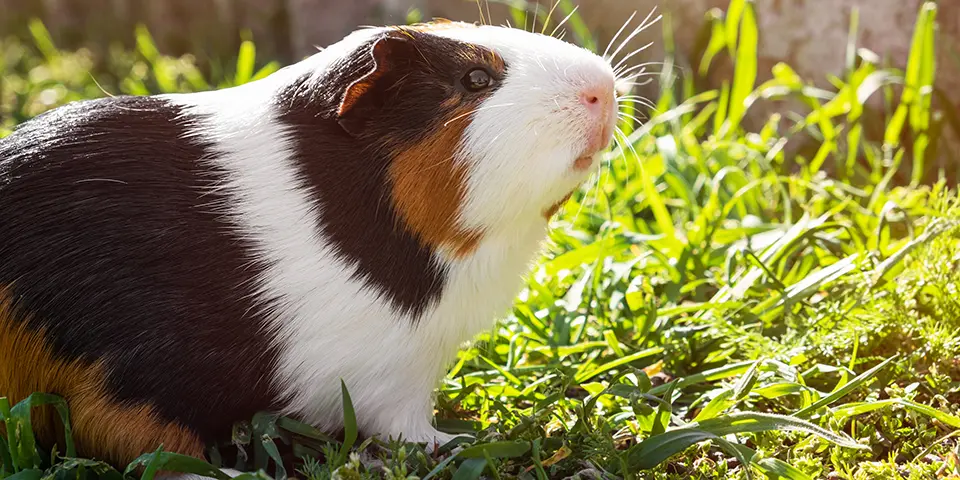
[(358, 88), (550, 212), (103, 428), (429, 186)]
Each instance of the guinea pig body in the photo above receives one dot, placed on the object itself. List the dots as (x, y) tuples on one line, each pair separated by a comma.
[(174, 264)]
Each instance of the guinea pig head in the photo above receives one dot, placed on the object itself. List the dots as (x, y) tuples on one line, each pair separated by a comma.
[(486, 127), (539, 134), (405, 103)]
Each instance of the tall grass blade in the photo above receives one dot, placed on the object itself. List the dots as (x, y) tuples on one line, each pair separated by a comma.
[(745, 74), (656, 449), (858, 381), (350, 430)]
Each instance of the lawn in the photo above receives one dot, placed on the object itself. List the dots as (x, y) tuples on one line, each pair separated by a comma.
[(714, 303)]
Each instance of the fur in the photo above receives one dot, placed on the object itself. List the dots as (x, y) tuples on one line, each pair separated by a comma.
[(357, 216)]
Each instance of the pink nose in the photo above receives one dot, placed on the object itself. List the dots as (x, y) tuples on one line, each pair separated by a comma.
[(598, 99)]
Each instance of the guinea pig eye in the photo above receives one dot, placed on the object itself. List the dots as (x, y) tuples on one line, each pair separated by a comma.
[(477, 79)]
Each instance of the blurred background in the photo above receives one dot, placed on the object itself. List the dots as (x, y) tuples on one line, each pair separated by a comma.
[(811, 36)]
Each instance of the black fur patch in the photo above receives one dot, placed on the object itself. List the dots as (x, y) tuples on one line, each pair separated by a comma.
[(110, 242), (348, 171)]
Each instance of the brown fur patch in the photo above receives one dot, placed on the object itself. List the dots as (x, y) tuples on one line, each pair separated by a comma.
[(550, 212), (429, 186), (102, 427)]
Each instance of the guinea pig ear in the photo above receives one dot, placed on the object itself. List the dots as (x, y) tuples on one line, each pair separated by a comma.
[(367, 94)]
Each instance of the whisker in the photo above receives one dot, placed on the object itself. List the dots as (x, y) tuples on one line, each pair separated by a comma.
[(451, 158), (643, 26), (635, 102), (536, 15), (632, 81), (623, 153), (642, 113), (644, 71), (480, 8), (623, 42), (614, 39), (435, 165), (546, 23), (540, 62), (576, 216), (633, 150), (596, 191), (641, 66), (624, 83), (627, 57), (630, 69), (619, 144), (642, 104), (574, 10), (610, 172), (601, 175), (631, 117), (640, 121), (643, 101), (641, 73), (653, 62), (617, 140), (471, 112)]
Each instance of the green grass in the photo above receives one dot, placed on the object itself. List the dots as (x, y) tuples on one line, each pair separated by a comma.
[(710, 306)]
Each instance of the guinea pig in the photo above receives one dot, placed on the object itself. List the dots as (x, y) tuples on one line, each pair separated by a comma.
[(173, 264)]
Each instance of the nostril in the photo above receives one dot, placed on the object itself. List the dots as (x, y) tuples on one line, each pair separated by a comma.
[(589, 99)]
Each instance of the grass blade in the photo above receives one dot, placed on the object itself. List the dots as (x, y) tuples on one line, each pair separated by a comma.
[(618, 362), (745, 75), (746, 383), (854, 409), (656, 449), (173, 462), (858, 381), (246, 61), (31, 474), (471, 469), (24, 441), (350, 431)]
